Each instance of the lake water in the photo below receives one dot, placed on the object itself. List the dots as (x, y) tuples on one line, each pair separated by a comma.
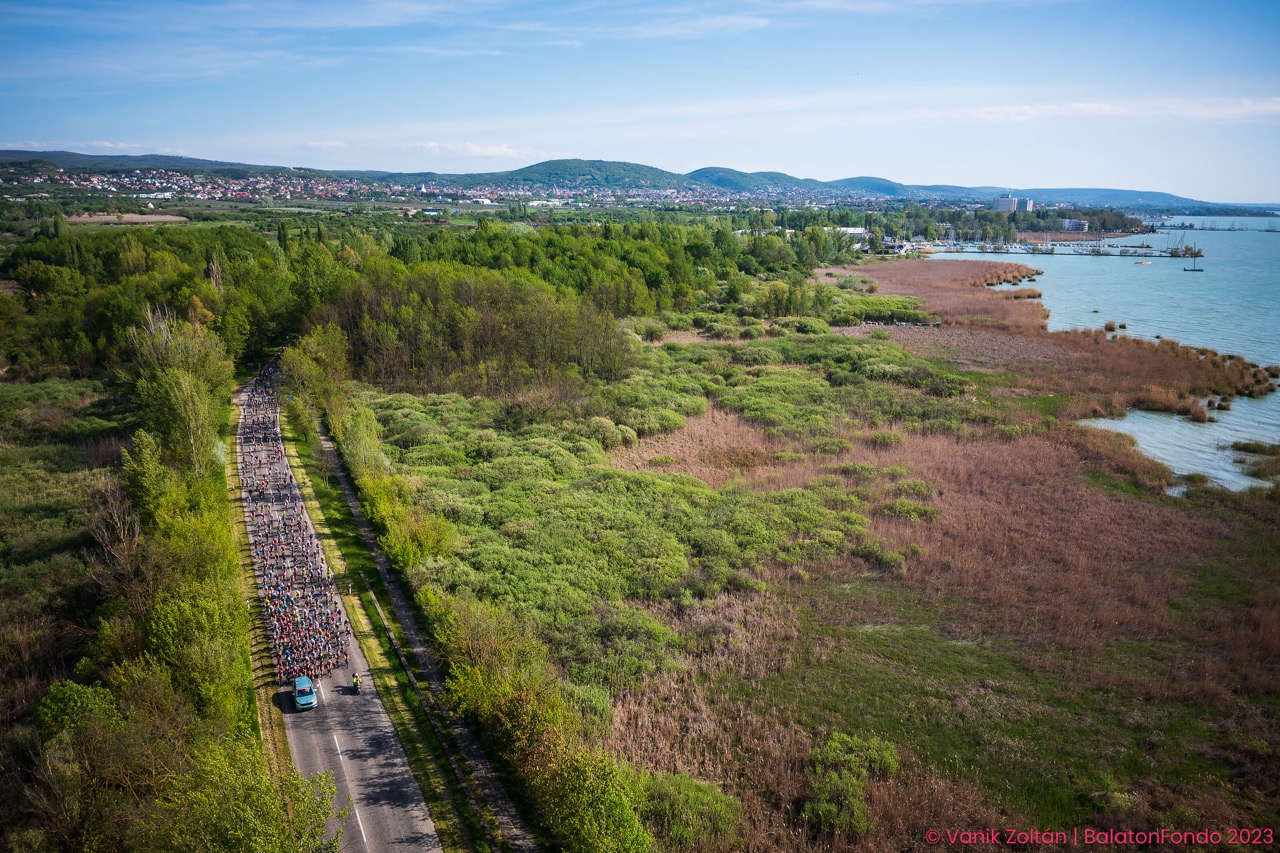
[(1233, 306)]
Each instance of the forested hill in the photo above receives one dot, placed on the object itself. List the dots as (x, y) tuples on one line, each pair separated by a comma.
[(606, 174), (125, 162)]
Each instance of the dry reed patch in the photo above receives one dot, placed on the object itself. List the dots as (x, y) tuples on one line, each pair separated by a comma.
[(975, 349), (1041, 558), (957, 291), (672, 336), (1104, 372), (685, 722), (714, 447)]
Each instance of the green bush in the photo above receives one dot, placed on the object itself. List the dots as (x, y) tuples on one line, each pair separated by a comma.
[(803, 325), (912, 488), (678, 322), (857, 470), (650, 330), (687, 815), (756, 355), (721, 332), (887, 439), (830, 446), (604, 431), (837, 776), (909, 510)]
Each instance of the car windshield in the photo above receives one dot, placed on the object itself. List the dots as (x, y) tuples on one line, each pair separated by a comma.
[(304, 691)]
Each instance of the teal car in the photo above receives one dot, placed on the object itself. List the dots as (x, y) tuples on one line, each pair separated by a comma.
[(304, 693)]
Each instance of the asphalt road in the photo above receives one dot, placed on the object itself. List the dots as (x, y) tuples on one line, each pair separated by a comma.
[(352, 736), (348, 734)]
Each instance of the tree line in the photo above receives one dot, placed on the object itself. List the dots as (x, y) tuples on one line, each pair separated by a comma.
[(150, 741)]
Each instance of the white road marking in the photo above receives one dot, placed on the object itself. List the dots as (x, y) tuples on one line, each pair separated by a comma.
[(320, 684), (360, 824), (354, 810)]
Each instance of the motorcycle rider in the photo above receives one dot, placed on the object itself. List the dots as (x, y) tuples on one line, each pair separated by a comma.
[(355, 682)]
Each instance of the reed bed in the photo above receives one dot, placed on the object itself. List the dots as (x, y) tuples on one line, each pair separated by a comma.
[(1023, 553), (1104, 373)]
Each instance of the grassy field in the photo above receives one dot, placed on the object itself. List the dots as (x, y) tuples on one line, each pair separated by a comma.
[(55, 439)]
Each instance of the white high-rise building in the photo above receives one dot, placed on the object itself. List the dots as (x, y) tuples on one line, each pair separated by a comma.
[(1006, 204), (1025, 205)]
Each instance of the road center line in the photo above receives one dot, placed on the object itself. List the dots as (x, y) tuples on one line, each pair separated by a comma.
[(360, 824), (335, 746)]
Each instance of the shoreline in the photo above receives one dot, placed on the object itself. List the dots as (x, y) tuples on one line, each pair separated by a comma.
[(1077, 374)]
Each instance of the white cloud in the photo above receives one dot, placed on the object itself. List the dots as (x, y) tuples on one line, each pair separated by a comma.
[(689, 27), (442, 52), (877, 7), (479, 151), (1207, 109), (110, 146)]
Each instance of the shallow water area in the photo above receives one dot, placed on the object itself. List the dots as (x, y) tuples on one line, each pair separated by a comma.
[(1232, 306), (1186, 446)]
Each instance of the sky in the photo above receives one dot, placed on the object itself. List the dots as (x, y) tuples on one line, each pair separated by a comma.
[(1158, 95)]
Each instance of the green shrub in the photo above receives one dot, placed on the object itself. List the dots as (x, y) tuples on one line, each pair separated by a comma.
[(604, 431), (837, 776), (887, 439), (893, 561), (721, 332), (756, 355), (909, 510), (650, 330), (687, 815), (913, 488), (661, 460), (803, 325), (858, 470), (678, 322), (830, 446)]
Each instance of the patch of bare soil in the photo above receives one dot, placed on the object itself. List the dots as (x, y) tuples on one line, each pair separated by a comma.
[(8, 287), (675, 337)]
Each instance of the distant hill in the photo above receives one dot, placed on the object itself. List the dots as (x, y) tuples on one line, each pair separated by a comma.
[(1108, 197), (598, 173), (607, 174), (125, 162), (873, 186)]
